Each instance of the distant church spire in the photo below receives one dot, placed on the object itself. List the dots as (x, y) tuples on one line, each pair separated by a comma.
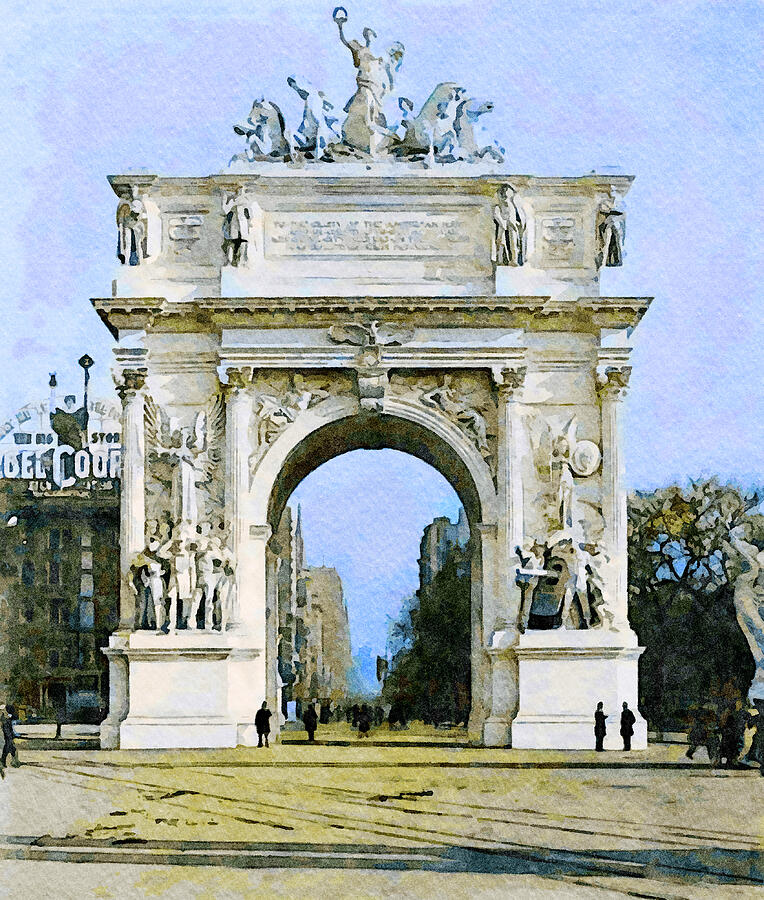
[(299, 546)]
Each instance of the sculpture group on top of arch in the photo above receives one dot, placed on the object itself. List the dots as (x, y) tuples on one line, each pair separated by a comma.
[(445, 130)]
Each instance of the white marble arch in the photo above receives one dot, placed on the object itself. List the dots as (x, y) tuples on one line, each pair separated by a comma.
[(337, 426)]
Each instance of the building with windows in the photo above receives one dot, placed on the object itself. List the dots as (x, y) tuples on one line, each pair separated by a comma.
[(440, 538), (313, 630), (59, 555)]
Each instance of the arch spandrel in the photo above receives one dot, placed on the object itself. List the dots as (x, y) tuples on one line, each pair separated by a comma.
[(335, 427)]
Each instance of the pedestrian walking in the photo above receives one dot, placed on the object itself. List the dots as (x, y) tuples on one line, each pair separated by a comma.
[(600, 729), (263, 724), (627, 726), (310, 721), (9, 744), (364, 722)]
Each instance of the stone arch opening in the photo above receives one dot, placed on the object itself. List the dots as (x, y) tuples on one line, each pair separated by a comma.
[(362, 431)]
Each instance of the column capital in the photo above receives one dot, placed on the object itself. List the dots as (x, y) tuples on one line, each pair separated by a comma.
[(509, 379), (130, 382), (612, 381), (237, 380), (260, 532)]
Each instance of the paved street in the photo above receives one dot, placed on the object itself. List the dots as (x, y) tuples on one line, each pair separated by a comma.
[(359, 820)]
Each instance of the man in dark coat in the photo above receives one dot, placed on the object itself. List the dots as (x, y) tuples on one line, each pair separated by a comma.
[(310, 721), (263, 724), (600, 729), (364, 722), (627, 726), (9, 745)]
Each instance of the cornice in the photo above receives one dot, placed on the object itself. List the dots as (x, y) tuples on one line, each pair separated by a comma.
[(212, 314)]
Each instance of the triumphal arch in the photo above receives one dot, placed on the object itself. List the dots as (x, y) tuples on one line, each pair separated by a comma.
[(353, 283)]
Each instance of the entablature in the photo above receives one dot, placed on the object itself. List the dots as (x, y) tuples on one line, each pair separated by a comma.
[(587, 314)]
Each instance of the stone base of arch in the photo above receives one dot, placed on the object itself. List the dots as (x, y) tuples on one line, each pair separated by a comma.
[(562, 676), (191, 690)]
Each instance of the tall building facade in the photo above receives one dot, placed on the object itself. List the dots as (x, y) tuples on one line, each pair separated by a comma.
[(438, 540), (59, 554), (314, 634)]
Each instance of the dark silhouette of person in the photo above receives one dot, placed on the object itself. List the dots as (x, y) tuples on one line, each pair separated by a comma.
[(627, 726), (364, 722), (9, 743), (263, 724), (355, 711), (310, 721), (600, 729), (731, 730), (379, 715)]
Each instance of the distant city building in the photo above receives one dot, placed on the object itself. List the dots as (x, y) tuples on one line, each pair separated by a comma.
[(314, 634), (441, 540), (59, 557), (438, 540)]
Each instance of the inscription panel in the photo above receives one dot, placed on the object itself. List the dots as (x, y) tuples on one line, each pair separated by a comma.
[(369, 234)]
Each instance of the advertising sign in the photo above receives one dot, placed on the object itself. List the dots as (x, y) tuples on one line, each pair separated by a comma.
[(55, 444)]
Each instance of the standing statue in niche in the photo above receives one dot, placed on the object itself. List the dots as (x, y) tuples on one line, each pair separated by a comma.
[(132, 231), (237, 228), (509, 229), (611, 232), (365, 128)]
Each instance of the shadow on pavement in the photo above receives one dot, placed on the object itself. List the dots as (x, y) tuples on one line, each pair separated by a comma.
[(708, 865)]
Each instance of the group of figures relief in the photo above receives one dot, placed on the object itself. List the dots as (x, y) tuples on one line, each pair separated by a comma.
[(445, 130), (184, 579), (566, 576)]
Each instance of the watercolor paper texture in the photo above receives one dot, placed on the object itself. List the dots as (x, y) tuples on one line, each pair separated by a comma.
[(366, 288)]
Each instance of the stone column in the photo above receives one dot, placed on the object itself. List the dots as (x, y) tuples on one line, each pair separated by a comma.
[(501, 629), (272, 639), (510, 473), (612, 382), (132, 487), (238, 412)]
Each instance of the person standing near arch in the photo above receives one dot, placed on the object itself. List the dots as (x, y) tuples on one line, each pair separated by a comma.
[(627, 726), (263, 724), (310, 721), (600, 729)]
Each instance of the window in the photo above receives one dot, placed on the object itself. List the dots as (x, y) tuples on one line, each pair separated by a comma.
[(87, 614), (58, 611), (53, 659), (87, 560), (53, 573), (86, 584), (67, 535), (54, 539), (27, 573), (86, 539)]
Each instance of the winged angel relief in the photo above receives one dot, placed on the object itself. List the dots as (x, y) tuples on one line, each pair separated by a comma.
[(193, 455)]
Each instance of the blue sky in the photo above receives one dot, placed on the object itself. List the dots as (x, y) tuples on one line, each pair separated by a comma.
[(669, 91)]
